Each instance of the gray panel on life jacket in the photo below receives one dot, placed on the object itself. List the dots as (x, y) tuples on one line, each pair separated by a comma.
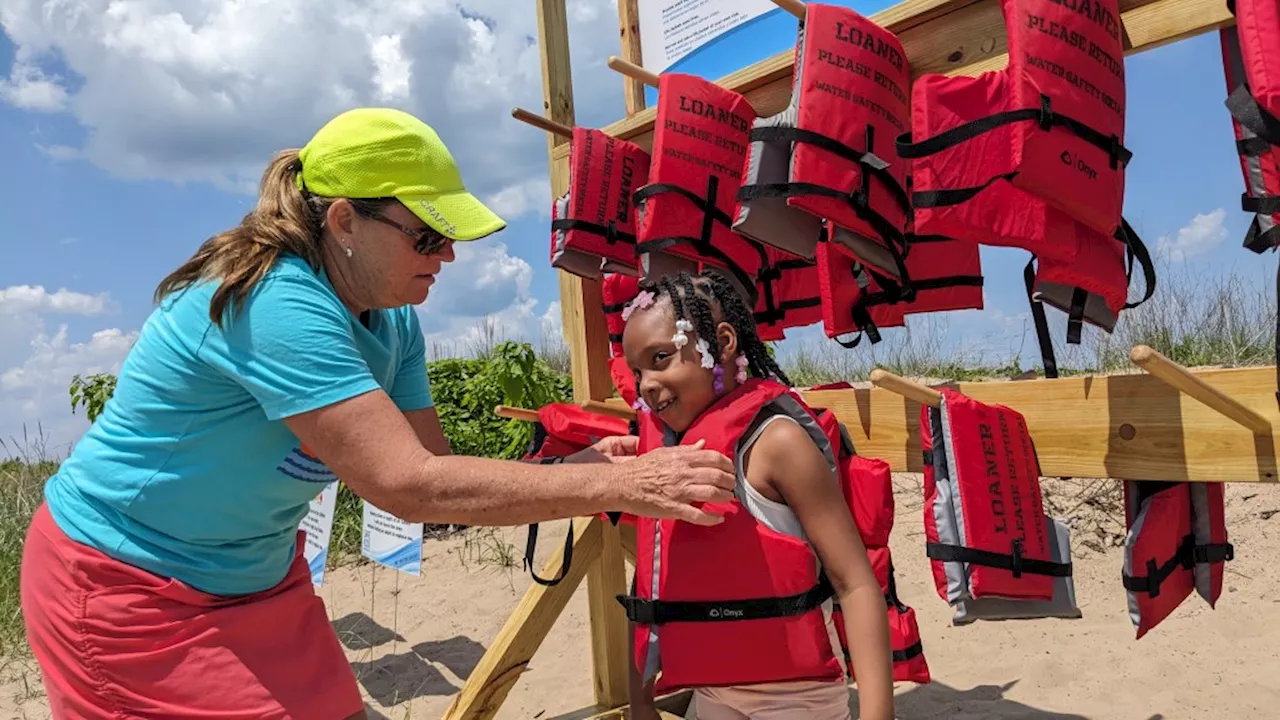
[(656, 265), (768, 219), (1252, 162), (573, 261), (1063, 604), (1059, 295), (869, 251), (944, 505)]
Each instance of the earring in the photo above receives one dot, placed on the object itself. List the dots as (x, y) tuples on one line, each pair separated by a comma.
[(347, 250), (741, 362), (717, 381)]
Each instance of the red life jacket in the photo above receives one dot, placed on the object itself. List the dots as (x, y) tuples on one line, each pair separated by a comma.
[(563, 429), (786, 294), (1031, 156), (1251, 60), (985, 527), (685, 211), (1176, 541), (616, 292), (830, 154), (593, 226), (693, 584), (853, 301)]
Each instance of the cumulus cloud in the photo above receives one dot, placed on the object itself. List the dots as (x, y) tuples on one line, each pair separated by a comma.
[(482, 297), (203, 90), (39, 356), (1204, 233)]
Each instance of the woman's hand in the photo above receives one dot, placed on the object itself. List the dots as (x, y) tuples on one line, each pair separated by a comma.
[(664, 482)]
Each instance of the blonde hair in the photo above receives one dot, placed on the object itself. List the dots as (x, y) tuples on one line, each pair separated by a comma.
[(286, 220)]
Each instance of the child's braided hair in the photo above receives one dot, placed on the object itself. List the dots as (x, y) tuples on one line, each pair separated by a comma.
[(692, 297)]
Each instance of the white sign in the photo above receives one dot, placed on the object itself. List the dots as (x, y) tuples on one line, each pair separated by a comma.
[(392, 542), (671, 29), (318, 525)]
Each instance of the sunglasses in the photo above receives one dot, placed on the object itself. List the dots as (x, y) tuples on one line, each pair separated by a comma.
[(425, 240)]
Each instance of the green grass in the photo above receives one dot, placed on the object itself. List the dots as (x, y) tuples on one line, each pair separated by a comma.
[(1193, 319)]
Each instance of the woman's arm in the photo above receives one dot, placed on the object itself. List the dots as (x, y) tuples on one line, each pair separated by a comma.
[(786, 460), (368, 443)]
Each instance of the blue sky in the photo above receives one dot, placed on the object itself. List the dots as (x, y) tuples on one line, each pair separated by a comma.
[(131, 135)]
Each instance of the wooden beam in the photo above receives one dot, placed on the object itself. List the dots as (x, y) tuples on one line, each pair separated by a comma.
[(587, 335), (629, 37), (670, 707), (502, 664), (953, 37), (1131, 426)]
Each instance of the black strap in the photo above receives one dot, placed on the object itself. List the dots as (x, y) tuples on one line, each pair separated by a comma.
[(711, 213), (1246, 110), (532, 542), (1013, 561), (1044, 116), (658, 612), (1045, 340), (608, 231), (1185, 557), (771, 274)]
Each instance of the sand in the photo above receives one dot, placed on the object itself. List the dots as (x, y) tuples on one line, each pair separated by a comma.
[(413, 641)]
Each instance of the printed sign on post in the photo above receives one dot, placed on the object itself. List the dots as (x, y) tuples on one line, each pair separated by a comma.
[(390, 541), (318, 525), (671, 29)]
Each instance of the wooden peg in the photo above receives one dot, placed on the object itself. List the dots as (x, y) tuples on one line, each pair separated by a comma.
[(633, 71), (1184, 381), (795, 7), (542, 123), (515, 413), (906, 388), (604, 408)]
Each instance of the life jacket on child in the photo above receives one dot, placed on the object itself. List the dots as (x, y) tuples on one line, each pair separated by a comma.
[(740, 589), (1032, 156), (1176, 542), (830, 154), (685, 211), (867, 484), (563, 429), (593, 229), (985, 527)]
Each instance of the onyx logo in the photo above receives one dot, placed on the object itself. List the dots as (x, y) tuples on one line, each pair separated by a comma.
[(1078, 164), (726, 613)]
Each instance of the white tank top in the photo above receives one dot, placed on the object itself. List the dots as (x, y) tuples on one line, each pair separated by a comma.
[(775, 515)]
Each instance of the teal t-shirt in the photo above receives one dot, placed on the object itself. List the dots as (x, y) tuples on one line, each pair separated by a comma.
[(189, 472)]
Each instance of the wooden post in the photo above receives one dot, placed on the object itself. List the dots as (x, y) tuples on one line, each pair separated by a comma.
[(629, 35)]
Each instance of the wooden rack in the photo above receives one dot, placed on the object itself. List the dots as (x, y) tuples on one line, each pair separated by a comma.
[(1162, 422)]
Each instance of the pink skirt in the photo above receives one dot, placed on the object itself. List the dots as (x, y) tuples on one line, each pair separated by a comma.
[(114, 641)]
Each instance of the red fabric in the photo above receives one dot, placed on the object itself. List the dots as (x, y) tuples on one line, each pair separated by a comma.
[(114, 641)]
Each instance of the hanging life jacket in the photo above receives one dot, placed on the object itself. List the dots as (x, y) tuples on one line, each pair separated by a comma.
[(1251, 64), (1176, 541), (1063, 604), (787, 294), (699, 148), (738, 590), (853, 301), (563, 429), (1252, 70), (830, 154), (593, 225), (985, 527), (1031, 156)]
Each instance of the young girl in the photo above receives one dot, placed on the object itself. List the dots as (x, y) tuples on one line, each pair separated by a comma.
[(691, 341)]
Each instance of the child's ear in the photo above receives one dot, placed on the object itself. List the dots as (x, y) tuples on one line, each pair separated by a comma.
[(727, 340)]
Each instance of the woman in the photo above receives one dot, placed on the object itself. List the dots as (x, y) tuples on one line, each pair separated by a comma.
[(163, 576)]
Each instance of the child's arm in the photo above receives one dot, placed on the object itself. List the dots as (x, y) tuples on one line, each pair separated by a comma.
[(640, 694), (785, 463)]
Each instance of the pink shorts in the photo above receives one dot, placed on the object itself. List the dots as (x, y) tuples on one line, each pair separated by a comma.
[(114, 641), (774, 701)]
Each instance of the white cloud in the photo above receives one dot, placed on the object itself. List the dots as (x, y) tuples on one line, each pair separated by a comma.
[(482, 297), (37, 362), (204, 90), (1204, 233)]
